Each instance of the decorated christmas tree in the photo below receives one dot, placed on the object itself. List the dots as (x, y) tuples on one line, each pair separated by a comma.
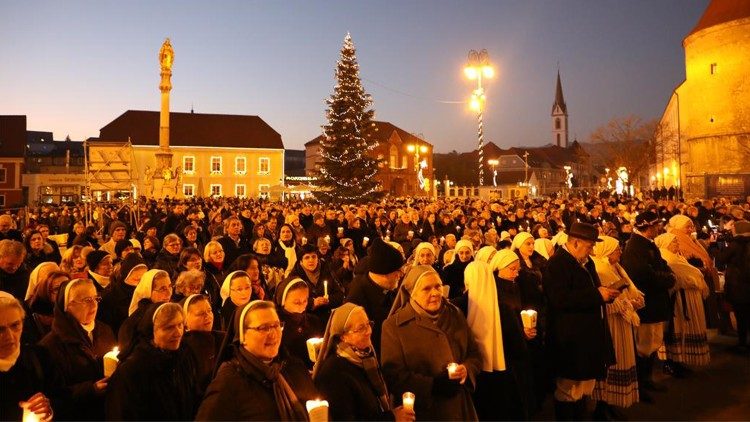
[(347, 169)]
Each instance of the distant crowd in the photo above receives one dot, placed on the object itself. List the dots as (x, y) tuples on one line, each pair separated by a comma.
[(404, 309)]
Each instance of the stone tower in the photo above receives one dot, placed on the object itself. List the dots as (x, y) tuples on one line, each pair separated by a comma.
[(559, 117)]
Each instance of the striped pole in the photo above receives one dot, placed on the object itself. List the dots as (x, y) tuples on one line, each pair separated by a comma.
[(480, 149)]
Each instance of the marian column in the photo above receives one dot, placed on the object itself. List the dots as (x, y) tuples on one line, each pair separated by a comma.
[(164, 155)]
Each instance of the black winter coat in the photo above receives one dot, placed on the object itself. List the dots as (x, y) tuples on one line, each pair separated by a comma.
[(15, 283), (297, 329), (376, 300), (577, 330), (205, 346), (453, 276), (169, 263), (113, 309), (350, 394), (241, 392), (79, 363), (152, 385), (335, 292), (642, 261), (737, 258), (32, 373)]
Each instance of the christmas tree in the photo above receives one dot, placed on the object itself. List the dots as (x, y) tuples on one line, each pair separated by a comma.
[(347, 169)]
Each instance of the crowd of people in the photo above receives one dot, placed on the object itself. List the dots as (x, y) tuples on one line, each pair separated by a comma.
[(463, 309)]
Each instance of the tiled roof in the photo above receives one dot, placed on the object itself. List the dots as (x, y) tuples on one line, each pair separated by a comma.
[(383, 133), (193, 129), (721, 11)]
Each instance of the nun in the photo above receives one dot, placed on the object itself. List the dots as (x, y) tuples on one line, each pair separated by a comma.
[(347, 370), (260, 381), (76, 345), (299, 323), (454, 271), (236, 291), (154, 287), (422, 338), (159, 379)]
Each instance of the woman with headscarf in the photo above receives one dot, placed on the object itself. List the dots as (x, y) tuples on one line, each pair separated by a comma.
[(200, 336), (76, 345), (285, 248), (27, 380), (299, 324), (453, 273), (423, 334), (236, 291), (260, 381), (154, 287), (159, 380), (686, 339), (485, 254), (42, 301), (347, 370), (39, 274), (620, 387)]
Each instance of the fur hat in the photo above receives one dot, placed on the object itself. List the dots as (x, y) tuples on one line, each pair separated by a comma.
[(94, 258)]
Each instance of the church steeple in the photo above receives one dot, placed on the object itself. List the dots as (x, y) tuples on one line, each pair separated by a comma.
[(559, 117)]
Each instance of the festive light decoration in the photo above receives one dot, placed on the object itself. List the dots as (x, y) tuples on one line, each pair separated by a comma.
[(347, 170)]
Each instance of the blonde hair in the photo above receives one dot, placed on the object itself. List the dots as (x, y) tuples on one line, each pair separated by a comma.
[(67, 260), (210, 248)]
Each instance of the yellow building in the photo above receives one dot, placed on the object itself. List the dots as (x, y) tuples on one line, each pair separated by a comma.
[(703, 143), (212, 155)]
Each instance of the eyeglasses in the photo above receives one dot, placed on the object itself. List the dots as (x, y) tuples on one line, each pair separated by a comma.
[(362, 328), (267, 328), (88, 301)]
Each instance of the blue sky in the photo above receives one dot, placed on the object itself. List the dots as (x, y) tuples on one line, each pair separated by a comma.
[(74, 66)]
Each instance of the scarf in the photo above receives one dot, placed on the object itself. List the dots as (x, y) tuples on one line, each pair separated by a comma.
[(688, 277), (287, 403), (690, 248), (290, 253), (610, 274), (102, 280), (366, 360)]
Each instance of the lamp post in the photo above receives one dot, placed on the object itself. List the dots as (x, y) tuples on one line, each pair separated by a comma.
[(526, 167), (494, 164), (417, 149), (478, 65)]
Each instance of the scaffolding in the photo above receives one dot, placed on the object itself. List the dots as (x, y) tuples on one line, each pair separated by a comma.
[(111, 175)]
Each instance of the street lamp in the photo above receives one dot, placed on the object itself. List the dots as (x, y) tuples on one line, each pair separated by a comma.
[(494, 164), (418, 165), (478, 66)]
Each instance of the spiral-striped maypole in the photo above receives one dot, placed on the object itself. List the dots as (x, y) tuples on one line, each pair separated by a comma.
[(478, 66)]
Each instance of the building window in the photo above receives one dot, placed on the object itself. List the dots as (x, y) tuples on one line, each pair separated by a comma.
[(3, 175), (263, 191), (264, 165), (239, 191), (215, 190), (393, 156), (188, 164), (240, 166), (403, 161), (714, 68), (188, 190), (557, 123), (558, 139), (2, 200), (216, 165)]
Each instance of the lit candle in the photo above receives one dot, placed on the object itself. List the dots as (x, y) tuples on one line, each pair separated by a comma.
[(325, 289), (304, 240), (408, 400), (411, 233), (313, 348), (365, 240), (318, 410), (111, 361), (341, 230), (29, 416), (458, 228), (328, 239), (452, 368), (528, 317)]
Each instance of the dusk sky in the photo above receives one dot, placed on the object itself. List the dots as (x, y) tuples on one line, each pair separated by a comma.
[(74, 66)]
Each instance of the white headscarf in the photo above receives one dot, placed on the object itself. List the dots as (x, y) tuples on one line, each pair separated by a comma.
[(420, 247), (519, 239), (502, 259), (290, 252), (611, 273), (34, 278), (542, 246), (143, 289), (483, 315), (463, 243), (485, 254), (688, 277), (226, 286)]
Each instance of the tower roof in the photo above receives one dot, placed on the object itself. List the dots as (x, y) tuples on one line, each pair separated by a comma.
[(559, 100), (722, 11)]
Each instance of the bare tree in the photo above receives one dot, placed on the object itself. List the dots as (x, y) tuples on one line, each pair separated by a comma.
[(626, 142)]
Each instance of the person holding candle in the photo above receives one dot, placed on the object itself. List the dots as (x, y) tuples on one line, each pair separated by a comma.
[(159, 380), (76, 345), (320, 280), (154, 287), (422, 335), (26, 376), (347, 370), (236, 291), (299, 324), (620, 387), (260, 381)]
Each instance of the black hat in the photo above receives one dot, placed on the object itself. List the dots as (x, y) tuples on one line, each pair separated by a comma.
[(646, 219), (94, 258), (584, 231), (384, 258), (121, 245)]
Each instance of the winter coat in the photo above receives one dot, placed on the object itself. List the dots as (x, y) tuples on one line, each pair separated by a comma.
[(232, 249), (113, 309), (297, 329), (737, 257), (154, 384), (578, 335), (350, 395), (205, 346), (169, 263), (376, 300), (32, 373), (241, 392), (642, 261), (415, 354), (453, 276), (79, 362), (335, 292), (15, 283)]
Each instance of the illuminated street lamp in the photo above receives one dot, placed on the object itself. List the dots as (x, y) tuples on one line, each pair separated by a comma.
[(478, 66), (494, 164)]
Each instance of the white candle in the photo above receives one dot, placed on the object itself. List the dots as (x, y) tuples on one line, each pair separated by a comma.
[(313, 348), (325, 289), (442, 239), (341, 229), (452, 368), (408, 400), (328, 238), (365, 240), (458, 228), (318, 410), (29, 416), (111, 361), (304, 240), (411, 233), (528, 317)]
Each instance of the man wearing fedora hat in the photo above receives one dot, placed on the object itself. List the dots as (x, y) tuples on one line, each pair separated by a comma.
[(578, 334), (642, 261)]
